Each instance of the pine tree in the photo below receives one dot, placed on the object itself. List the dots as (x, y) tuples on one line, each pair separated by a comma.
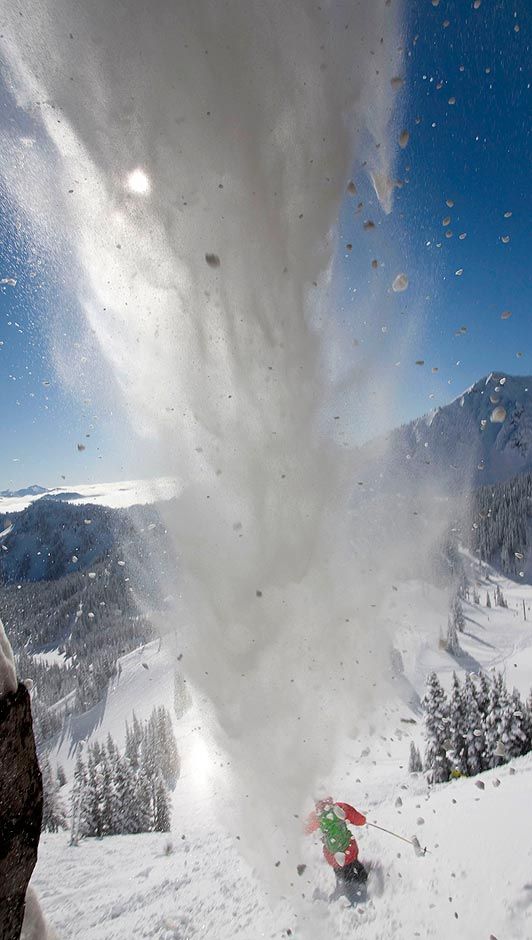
[(437, 730), (488, 602), (514, 726), (77, 800), (108, 796), (475, 738), (93, 793), (53, 816), (495, 748), (168, 757), (143, 809), (457, 614), (127, 821), (61, 776), (162, 808), (415, 765), (528, 721), (452, 643), (482, 695), (458, 724)]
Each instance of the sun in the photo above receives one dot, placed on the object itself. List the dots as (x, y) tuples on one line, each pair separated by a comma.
[(138, 182)]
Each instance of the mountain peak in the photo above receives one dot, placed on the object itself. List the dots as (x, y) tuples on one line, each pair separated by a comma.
[(483, 436), (33, 490)]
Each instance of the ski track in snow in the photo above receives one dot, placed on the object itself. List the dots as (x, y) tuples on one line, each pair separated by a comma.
[(474, 881)]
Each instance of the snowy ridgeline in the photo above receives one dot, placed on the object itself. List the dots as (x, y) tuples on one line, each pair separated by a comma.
[(483, 436)]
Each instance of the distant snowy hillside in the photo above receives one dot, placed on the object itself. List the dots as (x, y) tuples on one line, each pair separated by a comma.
[(483, 436), (51, 538), (33, 490), (115, 495)]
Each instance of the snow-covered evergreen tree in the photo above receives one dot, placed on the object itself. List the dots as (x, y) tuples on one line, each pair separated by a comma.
[(77, 799), (498, 701), (488, 601), (482, 694), (457, 613), (54, 815), (127, 820), (452, 643), (475, 737), (143, 810), (528, 721), (108, 796), (514, 726), (415, 764), (458, 726), (161, 822), (93, 793), (437, 730)]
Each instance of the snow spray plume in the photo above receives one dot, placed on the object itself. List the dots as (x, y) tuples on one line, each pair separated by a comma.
[(204, 151)]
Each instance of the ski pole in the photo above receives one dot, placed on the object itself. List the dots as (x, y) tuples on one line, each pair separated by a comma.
[(413, 842)]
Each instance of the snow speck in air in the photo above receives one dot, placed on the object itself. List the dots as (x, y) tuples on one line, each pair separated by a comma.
[(400, 283), (403, 139), (212, 260), (505, 239), (498, 415), (9, 281), (506, 314), (138, 182)]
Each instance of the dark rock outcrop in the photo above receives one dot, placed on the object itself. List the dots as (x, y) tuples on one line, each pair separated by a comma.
[(20, 808)]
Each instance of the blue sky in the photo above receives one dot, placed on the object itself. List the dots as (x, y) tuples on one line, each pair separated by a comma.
[(476, 152)]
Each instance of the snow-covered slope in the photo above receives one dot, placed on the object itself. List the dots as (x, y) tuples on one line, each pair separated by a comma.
[(144, 680), (473, 883), (483, 436), (115, 495)]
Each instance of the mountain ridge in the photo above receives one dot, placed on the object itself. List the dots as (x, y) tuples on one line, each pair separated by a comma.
[(483, 436)]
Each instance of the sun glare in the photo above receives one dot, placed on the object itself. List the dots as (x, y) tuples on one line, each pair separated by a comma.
[(138, 182)]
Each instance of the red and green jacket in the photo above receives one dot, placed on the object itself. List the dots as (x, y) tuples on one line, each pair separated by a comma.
[(339, 844)]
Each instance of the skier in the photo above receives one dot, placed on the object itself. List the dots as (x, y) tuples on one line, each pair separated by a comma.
[(339, 845)]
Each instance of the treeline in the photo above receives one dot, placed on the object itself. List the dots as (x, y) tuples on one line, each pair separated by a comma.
[(92, 619), (500, 518), (117, 793), (77, 614), (478, 726)]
